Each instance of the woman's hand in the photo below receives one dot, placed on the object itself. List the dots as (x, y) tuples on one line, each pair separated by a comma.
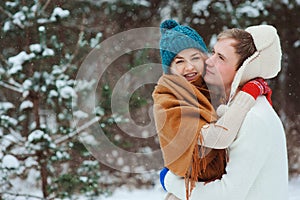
[(162, 176), (257, 87)]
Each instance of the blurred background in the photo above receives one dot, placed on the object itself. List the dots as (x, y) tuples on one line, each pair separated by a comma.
[(42, 45)]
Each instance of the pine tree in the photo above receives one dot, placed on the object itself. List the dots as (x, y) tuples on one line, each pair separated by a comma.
[(39, 104)]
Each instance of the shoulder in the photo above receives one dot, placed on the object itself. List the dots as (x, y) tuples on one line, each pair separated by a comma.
[(262, 120), (263, 112)]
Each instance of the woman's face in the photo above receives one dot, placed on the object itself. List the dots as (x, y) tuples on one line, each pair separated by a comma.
[(188, 63)]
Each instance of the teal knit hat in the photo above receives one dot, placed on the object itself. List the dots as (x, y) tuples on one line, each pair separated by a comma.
[(175, 38)]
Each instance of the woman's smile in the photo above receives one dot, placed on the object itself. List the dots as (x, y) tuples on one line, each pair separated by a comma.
[(191, 76)]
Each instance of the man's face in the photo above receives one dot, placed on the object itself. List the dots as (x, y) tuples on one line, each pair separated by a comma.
[(222, 64)]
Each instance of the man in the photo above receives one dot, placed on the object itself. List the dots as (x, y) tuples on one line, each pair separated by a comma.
[(257, 167)]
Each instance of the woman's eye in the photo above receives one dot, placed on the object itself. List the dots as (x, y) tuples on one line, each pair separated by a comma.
[(178, 61), (195, 58)]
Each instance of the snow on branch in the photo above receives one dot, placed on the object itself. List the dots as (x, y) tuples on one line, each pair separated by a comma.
[(13, 88), (23, 195), (77, 131)]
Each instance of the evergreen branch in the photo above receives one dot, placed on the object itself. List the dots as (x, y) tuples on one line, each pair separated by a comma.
[(10, 87), (231, 7), (6, 12), (3, 59), (79, 39), (10, 16), (46, 5), (15, 83), (16, 135), (20, 141), (22, 195), (77, 131), (23, 156)]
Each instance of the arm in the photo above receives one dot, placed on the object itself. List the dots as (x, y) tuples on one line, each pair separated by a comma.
[(221, 134), (248, 154)]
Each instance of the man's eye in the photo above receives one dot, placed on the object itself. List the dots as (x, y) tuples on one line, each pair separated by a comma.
[(196, 58), (221, 57)]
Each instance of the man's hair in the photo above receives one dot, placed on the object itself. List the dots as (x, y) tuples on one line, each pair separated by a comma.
[(244, 45)]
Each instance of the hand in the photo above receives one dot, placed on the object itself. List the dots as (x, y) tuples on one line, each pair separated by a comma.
[(162, 176), (258, 87)]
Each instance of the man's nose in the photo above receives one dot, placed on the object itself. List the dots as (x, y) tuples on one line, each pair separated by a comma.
[(209, 61)]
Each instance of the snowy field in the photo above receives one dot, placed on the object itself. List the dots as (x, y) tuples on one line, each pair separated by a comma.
[(158, 193)]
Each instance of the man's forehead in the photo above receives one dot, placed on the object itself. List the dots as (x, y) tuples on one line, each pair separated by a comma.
[(226, 41), (225, 46)]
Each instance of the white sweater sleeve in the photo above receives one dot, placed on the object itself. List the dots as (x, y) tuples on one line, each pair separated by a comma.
[(247, 155), (221, 134)]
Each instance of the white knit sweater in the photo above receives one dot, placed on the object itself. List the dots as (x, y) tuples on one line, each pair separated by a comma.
[(257, 167)]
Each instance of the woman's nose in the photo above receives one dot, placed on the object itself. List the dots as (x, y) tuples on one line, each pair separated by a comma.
[(189, 66)]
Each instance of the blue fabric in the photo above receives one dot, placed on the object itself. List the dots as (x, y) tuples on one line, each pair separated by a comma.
[(175, 38), (162, 175)]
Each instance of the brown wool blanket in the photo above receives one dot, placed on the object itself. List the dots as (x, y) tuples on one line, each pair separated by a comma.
[(180, 110)]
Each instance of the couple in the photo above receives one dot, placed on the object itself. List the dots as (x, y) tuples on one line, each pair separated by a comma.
[(242, 155)]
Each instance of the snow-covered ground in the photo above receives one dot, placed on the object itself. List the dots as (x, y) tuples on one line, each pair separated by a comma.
[(294, 189), (138, 194), (158, 193)]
